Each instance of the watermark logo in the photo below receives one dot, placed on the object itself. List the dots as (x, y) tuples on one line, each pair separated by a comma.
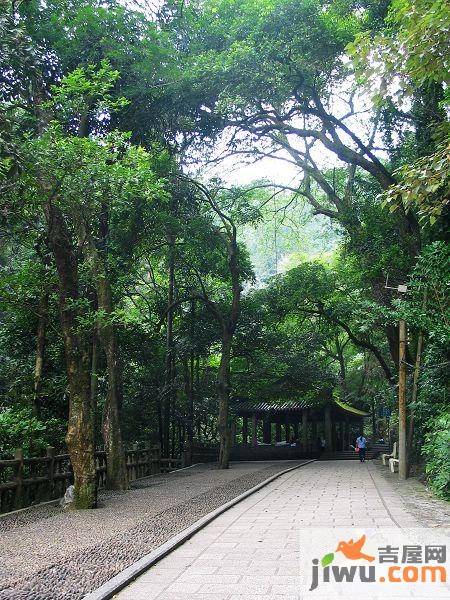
[(352, 550), (378, 561)]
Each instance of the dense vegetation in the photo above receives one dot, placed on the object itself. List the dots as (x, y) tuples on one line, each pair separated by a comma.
[(139, 295)]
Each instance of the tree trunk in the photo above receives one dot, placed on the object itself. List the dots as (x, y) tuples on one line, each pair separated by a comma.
[(374, 423), (169, 370), (94, 376), (80, 433), (40, 350), (80, 437), (116, 470), (159, 408), (223, 387), (172, 439), (415, 389), (228, 327), (189, 391), (342, 367), (190, 368)]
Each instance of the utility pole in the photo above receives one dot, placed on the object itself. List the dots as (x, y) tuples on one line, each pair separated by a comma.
[(402, 457), (402, 447)]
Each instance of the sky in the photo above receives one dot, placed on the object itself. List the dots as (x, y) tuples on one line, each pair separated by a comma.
[(235, 170)]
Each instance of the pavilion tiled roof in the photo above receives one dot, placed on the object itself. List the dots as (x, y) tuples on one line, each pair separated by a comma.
[(292, 405), (278, 405), (351, 409)]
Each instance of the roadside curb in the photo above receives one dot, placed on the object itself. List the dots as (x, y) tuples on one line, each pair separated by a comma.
[(122, 579)]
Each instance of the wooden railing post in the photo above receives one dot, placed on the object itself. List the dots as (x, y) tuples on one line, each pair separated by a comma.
[(51, 471), (135, 461), (157, 457), (18, 455), (150, 462), (149, 455)]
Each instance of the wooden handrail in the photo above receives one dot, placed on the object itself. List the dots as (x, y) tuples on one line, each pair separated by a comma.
[(25, 489)]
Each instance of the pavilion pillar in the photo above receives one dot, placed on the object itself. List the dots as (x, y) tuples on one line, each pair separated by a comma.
[(287, 429), (267, 431), (295, 428), (328, 434), (342, 435), (347, 431), (315, 435), (278, 431), (233, 432), (245, 430), (305, 430), (254, 430)]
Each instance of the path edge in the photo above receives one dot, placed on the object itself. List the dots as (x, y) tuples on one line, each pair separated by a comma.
[(125, 577)]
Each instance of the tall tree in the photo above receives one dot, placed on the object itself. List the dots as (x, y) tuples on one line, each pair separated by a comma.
[(227, 316)]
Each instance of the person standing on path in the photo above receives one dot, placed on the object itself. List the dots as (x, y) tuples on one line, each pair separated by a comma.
[(361, 444)]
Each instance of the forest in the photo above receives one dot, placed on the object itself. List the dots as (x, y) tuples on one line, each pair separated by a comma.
[(205, 200)]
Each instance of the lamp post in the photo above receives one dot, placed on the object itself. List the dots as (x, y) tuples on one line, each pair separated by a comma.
[(402, 335), (402, 451)]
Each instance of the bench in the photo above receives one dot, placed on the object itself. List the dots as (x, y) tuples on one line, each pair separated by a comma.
[(393, 464), (393, 455)]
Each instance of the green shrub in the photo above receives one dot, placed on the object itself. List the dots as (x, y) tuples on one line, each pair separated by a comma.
[(436, 451), (20, 428)]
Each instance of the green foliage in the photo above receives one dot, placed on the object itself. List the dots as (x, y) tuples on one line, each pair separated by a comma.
[(437, 454), (103, 105), (424, 185), (19, 428), (86, 91), (81, 173), (423, 37), (260, 52), (286, 234), (414, 47), (408, 58), (426, 309), (427, 305)]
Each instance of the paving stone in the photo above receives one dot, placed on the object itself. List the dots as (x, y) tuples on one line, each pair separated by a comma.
[(238, 588), (268, 597), (143, 591), (184, 587), (264, 562), (183, 596)]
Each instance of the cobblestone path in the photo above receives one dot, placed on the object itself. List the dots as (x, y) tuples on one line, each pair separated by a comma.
[(49, 554)]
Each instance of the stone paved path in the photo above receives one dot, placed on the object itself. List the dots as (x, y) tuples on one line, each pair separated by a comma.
[(49, 554), (252, 550)]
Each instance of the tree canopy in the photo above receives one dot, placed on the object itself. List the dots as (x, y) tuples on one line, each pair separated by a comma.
[(144, 287)]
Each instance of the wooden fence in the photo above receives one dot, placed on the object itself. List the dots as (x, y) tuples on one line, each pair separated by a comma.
[(28, 481), (202, 453)]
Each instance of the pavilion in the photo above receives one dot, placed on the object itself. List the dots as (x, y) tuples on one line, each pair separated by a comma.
[(293, 427)]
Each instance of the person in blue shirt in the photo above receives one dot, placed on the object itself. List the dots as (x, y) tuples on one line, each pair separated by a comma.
[(361, 444)]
